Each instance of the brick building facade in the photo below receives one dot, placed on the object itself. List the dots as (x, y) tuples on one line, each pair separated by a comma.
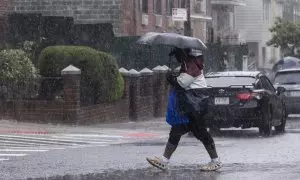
[(3, 19), (129, 18)]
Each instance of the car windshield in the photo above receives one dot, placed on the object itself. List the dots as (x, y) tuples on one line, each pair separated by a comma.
[(287, 78), (225, 81)]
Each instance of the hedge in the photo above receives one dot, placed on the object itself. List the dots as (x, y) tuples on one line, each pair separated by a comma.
[(18, 75), (100, 78)]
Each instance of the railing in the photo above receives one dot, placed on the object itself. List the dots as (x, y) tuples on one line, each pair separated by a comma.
[(35, 88)]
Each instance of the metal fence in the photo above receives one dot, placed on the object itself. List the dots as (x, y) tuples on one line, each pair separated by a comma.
[(42, 88), (130, 55)]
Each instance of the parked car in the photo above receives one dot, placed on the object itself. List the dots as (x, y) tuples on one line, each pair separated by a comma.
[(244, 99), (290, 80)]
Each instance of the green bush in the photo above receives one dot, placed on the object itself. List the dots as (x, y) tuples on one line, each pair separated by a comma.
[(100, 78), (18, 76)]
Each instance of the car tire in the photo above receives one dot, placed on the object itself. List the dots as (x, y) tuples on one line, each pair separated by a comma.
[(266, 126), (281, 127)]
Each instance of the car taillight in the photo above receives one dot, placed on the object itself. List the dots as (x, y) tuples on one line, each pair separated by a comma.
[(244, 96), (248, 96)]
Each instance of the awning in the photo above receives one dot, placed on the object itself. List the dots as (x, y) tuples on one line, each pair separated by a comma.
[(228, 2)]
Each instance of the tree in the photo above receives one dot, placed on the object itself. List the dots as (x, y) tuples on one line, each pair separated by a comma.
[(18, 76), (285, 35)]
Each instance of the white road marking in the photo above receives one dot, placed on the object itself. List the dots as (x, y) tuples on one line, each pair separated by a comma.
[(12, 155), (23, 150), (4, 159), (50, 140), (35, 141), (12, 144), (93, 135), (17, 143), (64, 137), (294, 115), (32, 148)]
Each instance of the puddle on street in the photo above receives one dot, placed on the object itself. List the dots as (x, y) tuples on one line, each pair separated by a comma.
[(178, 173)]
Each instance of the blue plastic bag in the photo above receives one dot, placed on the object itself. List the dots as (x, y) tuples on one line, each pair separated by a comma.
[(173, 117)]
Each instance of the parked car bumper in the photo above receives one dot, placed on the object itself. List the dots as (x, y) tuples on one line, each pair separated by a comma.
[(226, 117), (292, 105)]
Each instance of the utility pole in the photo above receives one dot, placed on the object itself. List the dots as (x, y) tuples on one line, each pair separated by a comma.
[(187, 24), (188, 32)]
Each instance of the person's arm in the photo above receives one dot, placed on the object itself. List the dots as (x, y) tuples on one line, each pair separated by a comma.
[(185, 80), (172, 80)]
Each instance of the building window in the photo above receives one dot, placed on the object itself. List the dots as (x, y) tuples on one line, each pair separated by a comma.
[(144, 6), (198, 7), (157, 8), (266, 9), (181, 3), (170, 6), (264, 55)]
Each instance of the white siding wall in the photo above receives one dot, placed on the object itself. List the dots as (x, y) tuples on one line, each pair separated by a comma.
[(253, 27), (248, 20)]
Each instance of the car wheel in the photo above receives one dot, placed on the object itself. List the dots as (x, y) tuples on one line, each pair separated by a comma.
[(281, 127), (266, 126)]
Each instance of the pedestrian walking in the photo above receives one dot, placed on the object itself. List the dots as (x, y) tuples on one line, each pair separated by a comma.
[(190, 77)]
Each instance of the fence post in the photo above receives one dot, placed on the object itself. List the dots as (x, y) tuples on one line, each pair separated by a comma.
[(126, 76), (71, 79), (146, 85), (134, 94), (126, 96), (159, 91)]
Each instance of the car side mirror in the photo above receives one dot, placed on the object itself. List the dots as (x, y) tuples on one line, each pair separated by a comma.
[(280, 90)]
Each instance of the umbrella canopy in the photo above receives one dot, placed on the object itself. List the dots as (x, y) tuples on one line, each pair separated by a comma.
[(172, 39), (286, 63)]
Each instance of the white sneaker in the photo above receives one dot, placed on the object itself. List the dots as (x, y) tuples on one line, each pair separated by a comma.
[(158, 163), (212, 166)]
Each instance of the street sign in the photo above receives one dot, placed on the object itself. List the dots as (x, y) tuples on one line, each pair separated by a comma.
[(179, 14)]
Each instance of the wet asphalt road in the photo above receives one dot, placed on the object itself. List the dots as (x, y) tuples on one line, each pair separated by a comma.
[(244, 153)]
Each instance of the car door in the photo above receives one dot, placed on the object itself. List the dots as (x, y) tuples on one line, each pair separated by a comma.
[(275, 99)]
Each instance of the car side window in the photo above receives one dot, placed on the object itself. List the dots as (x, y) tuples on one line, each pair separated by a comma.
[(266, 84), (258, 84), (270, 84)]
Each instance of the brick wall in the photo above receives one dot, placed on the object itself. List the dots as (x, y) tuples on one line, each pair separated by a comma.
[(105, 113), (83, 12), (124, 15), (3, 19), (3, 7), (40, 111), (32, 111), (145, 97)]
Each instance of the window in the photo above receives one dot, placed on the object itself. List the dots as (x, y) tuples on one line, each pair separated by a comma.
[(226, 81), (170, 6), (266, 10), (181, 3), (199, 7), (287, 78), (144, 6), (264, 54), (157, 8), (266, 84), (258, 84)]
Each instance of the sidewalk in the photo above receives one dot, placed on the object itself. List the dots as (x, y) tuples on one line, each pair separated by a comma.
[(156, 125)]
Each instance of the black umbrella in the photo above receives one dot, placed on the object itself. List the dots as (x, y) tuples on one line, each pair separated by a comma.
[(172, 39)]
